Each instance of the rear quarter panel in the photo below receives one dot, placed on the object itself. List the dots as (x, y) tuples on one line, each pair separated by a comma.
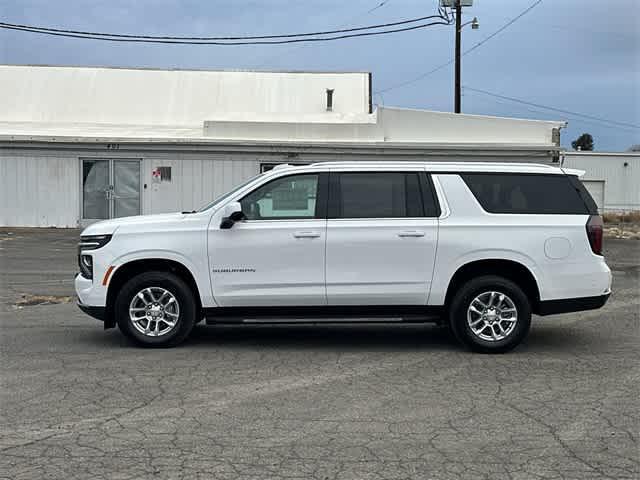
[(554, 248)]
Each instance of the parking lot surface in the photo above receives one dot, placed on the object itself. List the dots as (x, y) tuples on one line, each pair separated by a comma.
[(309, 402)]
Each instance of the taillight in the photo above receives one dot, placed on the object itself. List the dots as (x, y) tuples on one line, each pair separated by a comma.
[(595, 228)]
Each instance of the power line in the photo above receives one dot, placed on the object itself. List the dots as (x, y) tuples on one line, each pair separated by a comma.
[(469, 50), (343, 25), (553, 109), (542, 111), (504, 27), (380, 5), (252, 42), (258, 37), (237, 40)]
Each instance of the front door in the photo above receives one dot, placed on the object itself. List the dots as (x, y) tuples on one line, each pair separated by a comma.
[(110, 188), (381, 238), (276, 256)]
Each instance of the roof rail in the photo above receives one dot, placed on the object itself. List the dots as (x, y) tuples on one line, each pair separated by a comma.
[(426, 162), (280, 166)]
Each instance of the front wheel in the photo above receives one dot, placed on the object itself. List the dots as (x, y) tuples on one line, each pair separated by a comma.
[(156, 309), (490, 314)]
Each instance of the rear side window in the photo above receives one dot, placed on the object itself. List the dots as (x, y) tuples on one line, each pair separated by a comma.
[(378, 195), (526, 193), (588, 200)]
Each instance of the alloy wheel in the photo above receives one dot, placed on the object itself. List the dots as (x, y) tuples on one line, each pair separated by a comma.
[(492, 316), (154, 311)]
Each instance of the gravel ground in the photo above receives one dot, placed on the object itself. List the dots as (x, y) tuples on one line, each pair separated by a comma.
[(309, 402)]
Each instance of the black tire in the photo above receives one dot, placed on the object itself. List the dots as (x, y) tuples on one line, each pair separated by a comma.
[(463, 299), (176, 287)]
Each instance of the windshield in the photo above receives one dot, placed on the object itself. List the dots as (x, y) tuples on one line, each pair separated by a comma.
[(228, 194)]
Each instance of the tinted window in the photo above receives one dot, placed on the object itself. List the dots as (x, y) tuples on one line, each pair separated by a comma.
[(588, 200), (293, 196), (523, 193), (429, 197), (376, 195)]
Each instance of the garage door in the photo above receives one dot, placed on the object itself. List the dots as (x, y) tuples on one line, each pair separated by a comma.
[(596, 189)]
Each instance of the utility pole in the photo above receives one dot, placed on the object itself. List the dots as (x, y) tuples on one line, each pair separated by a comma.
[(458, 34)]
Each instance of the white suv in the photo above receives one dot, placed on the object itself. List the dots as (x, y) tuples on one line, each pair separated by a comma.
[(479, 247)]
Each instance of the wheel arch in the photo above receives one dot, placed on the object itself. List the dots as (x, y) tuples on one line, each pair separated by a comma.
[(131, 268), (510, 269)]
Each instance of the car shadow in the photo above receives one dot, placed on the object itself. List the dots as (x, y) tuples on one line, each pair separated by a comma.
[(324, 337), (362, 337), (352, 338)]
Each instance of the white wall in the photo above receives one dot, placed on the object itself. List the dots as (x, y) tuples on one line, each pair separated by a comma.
[(196, 179), (408, 125), (39, 190), (68, 95), (390, 125), (43, 189), (621, 183)]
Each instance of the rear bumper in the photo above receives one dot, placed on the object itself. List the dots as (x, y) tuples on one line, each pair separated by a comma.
[(567, 305), (95, 312)]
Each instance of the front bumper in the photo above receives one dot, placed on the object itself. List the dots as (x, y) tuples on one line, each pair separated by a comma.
[(90, 292), (96, 312), (567, 305), (92, 301)]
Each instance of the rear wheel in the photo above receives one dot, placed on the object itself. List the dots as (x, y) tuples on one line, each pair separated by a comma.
[(156, 309), (490, 314)]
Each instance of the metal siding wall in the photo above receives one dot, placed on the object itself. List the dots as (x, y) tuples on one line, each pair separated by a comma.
[(41, 187), (621, 184), (204, 179), (39, 190), (197, 179)]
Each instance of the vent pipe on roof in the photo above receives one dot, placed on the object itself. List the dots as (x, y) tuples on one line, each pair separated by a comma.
[(329, 99)]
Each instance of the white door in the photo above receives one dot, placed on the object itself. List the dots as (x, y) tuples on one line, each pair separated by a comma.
[(381, 238), (276, 256)]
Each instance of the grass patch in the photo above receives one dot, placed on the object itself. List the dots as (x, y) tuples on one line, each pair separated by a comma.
[(622, 217)]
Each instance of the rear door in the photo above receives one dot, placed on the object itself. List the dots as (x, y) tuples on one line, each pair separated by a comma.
[(382, 231)]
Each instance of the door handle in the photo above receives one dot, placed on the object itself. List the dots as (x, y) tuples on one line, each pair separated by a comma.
[(413, 233), (306, 234)]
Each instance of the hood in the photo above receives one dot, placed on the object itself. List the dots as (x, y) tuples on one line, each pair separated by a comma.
[(107, 227)]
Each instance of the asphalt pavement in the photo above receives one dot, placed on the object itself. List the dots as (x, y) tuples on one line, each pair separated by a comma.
[(309, 402)]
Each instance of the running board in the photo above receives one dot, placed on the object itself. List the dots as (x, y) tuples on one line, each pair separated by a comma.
[(323, 314)]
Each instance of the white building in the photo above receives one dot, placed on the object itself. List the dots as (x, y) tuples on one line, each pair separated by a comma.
[(613, 179), (81, 144)]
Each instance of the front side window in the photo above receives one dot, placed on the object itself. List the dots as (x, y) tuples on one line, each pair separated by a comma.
[(288, 197), (376, 195), (526, 193)]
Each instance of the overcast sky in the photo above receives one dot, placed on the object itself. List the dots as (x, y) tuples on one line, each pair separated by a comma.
[(577, 55)]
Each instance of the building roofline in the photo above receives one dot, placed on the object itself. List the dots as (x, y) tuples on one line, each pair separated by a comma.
[(559, 123), (203, 142), (172, 69)]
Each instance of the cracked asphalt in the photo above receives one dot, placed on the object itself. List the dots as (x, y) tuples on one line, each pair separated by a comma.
[(310, 402)]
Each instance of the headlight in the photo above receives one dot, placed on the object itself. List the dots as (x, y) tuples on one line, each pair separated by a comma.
[(85, 262), (87, 243), (92, 242)]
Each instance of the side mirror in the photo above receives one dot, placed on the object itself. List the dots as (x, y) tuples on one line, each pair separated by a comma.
[(232, 214)]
